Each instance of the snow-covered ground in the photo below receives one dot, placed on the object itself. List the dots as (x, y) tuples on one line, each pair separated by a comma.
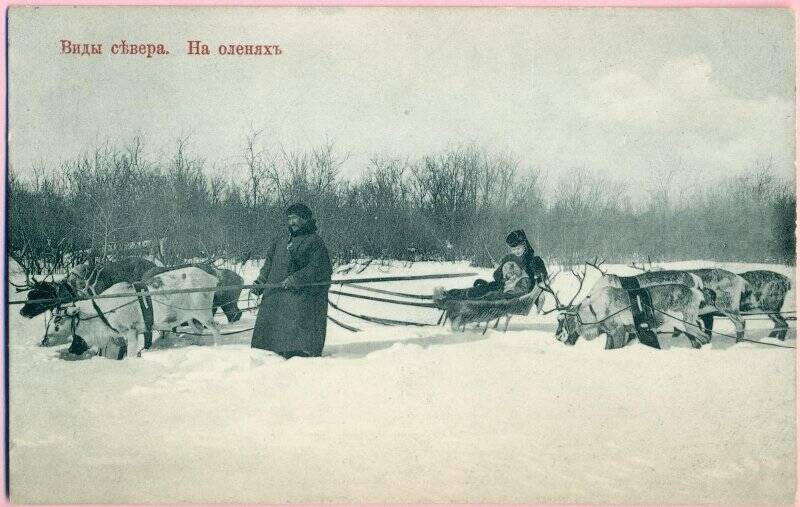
[(407, 414)]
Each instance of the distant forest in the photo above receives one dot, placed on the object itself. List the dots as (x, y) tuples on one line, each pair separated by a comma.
[(457, 204)]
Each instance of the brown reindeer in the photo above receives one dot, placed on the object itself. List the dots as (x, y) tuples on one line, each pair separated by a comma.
[(768, 292)]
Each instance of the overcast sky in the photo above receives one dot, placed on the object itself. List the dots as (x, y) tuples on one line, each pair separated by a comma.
[(624, 92)]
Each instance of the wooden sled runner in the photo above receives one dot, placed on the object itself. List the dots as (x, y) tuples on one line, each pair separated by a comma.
[(461, 312)]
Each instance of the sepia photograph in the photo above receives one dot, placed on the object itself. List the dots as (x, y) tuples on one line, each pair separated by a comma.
[(414, 255)]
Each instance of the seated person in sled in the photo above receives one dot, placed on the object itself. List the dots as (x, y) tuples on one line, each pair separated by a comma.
[(515, 282), (518, 274)]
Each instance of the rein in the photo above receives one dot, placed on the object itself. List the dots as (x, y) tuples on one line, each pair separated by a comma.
[(581, 322), (721, 334), (76, 318), (102, 316)]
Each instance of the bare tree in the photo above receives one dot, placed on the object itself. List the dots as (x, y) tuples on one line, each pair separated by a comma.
[(257, 164)]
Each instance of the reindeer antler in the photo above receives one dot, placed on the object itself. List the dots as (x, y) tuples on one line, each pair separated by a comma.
[(50, 271), (546, 287), (581, 278), (19, 259), (596, 265), (26, 286), (89, 286)]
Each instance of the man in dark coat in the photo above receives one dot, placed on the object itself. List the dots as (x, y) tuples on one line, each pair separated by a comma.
[(292, 319)]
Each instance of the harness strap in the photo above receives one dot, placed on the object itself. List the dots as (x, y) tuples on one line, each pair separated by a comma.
[(641, 307), (146, 305), (102, 316)]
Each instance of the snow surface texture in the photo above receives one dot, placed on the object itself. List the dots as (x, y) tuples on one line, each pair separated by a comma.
[(404, 414)]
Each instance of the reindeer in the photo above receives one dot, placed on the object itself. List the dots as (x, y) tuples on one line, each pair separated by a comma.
[(659, 277), (227, 299), (731, 291), (83, 280), (768, 292), (649, 277), (609, 310), (104, 275), (95, 325)]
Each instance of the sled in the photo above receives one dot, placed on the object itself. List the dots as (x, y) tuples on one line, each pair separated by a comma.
[(461, 312)]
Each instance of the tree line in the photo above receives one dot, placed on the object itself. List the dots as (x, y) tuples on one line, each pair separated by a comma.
[(452, 205)]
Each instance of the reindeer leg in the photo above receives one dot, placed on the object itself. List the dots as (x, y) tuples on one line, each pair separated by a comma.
[(738, 323), (496, 323), (211, 325), (773, 333), (708, 324), (697, 336), (781, 326), (617, 337), (227, 310), (236, 313), (609, 341), (630, 334), (132, 342), (694, 340), (456, 322)]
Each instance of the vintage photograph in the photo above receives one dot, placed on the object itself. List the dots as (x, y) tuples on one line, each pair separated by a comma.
[(400, 255)]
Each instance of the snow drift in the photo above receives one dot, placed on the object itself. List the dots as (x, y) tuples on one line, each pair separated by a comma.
[(406, 414)]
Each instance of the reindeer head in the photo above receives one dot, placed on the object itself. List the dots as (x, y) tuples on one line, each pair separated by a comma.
[(39, 291), (44, 289), (568, 330), (61, 328), (569, 327)]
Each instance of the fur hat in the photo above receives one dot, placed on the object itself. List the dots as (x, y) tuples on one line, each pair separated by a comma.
[(300, 210), (516, 238)]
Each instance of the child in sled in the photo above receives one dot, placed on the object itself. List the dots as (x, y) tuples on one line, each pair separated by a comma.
[(517, 274)]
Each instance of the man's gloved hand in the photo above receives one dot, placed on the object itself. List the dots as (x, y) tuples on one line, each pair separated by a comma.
[(257, 290)]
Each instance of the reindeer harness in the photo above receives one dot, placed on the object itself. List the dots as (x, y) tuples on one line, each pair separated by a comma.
[(644, 319), (79, 345), (146, 305)]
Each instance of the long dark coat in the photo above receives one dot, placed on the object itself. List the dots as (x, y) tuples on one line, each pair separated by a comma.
[(294, 320)]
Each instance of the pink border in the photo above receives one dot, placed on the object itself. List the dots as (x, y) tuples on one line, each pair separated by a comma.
[(430, 3), (793, 4)]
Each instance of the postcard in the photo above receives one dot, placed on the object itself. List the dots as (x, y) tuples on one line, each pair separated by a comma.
[(401, 255)]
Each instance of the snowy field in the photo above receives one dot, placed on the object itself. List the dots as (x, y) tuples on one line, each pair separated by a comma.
[(408, 414)]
